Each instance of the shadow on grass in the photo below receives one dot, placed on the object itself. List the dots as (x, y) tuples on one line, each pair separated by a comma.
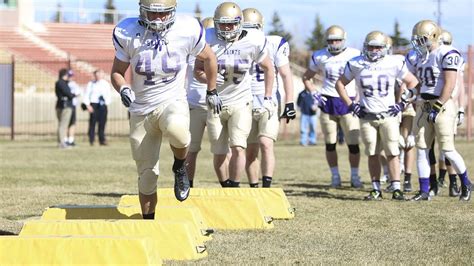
[(346, 186), (319, 194), (106, 195), (6, 233)]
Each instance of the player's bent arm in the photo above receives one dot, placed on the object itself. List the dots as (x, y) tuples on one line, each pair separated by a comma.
[(198, 71), (117, 77), (341, 89), (461, 90), (307, 76), (410, 81), (269, 75), (449, 84), (208, 68), (287, 77)]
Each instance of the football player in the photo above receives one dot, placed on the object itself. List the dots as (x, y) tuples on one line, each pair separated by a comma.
[(156, 45), (376, 75), (229, 117), (331, 61), (196, 94), (264, 131), (459, 99), (437, 69)]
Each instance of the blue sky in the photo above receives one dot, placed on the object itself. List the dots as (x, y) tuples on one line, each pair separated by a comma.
[(357, 17)]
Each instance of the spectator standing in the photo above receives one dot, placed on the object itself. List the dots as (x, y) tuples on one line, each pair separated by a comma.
[(63, 106), (96, 99), (308, 119), (77, 91)]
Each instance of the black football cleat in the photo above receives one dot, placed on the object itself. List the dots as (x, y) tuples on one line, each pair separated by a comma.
[(465, 193), (181, 184), (374, 195), (398, 195), (421, 196)]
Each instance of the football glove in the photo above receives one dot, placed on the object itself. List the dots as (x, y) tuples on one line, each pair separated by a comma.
[(355, 109), (394, 110), (213, 101), (435, 109), (289, 113), (319, 99), (127, 95), (460, 116), (269, 106), (410, 143)]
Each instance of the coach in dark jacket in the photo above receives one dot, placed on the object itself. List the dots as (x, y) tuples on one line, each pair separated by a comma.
[(63, 106)]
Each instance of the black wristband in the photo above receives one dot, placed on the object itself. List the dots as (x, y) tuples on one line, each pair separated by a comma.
[(212, 92), (437, 106)]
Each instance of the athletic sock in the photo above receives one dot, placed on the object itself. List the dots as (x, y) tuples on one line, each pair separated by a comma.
[(396, 185), (376, 184), (442, 174), (452, 179), (424, 184), (149, 216), (465, 179), (178, 163), (407, 177), (433, 181), (354, 171), (335, 170), (266, 181)]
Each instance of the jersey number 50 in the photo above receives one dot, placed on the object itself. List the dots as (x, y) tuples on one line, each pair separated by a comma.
[(383, 85)]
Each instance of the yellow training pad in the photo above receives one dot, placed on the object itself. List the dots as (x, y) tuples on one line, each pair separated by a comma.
[(163, 213), (220, 212), (16, 250), (173, 240), (273, 200)]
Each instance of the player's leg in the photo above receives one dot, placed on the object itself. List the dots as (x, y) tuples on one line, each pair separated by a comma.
[(369, 136), (433, 179), (351, 127), (444, 128), (145, 143), (329, 128), (239, 125), (174, 123), (252, 164), (268, 134), (198, 117), (390, 135), (384, 164), (409, 152), (219, 139), (425, 134), (71, 130)]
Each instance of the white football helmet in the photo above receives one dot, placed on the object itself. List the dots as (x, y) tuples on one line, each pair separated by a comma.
[(253, 19), (425, 35), (446, 37), (335, 33), (157, 6), (208, 23), (228, 13), (375, 46)]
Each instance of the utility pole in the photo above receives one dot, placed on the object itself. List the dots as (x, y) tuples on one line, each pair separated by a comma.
[(438, 13)]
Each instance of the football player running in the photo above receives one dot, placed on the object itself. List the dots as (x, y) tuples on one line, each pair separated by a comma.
[(229, 117), (334, 112), (264, 130), (196, 94), (438, 69), (156, 45), (376, 75)]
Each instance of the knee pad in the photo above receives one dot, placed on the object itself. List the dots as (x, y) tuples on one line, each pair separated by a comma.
[(353, 149), (147, 182), (331, 147), (432, 157), (178, 132)]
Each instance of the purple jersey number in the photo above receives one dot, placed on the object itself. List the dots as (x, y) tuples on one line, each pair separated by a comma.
[(383, 84), (238, 69), (170, 66)]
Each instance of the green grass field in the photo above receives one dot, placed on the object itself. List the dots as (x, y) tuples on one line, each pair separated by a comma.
[(331, 226)]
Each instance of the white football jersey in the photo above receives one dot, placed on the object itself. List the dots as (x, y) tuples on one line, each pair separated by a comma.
[(196, 91), (333, 66), (411, 60), (234, 61), (158, 65), (430, 71), (279, 51), (376, 81)]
